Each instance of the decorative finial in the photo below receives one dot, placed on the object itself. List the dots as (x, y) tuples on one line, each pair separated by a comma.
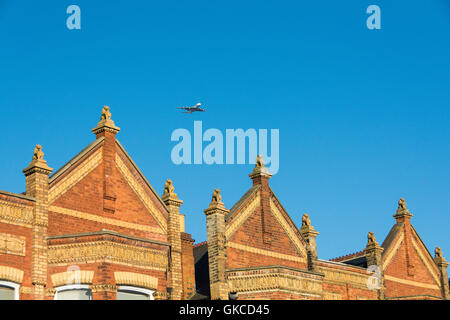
[(307, 229), (38, 153), (439, 258), (306, 221), (216, 204), (106, 123), (38, 164), (260, 162), (106, 114), (371, 240), (401, 204), (438, 252), (170, 197), (260, 168), (216, 197), (402, 210), (168, 187)]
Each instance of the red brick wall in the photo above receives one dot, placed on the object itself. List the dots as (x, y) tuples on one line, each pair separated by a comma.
[(188, 267), (398, 267)]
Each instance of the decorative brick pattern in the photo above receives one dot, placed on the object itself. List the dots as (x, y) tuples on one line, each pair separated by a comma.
[(11, 244), (65, 184), (11, 274), (136, 279), (141, 193), (75, 277), (100, 219)]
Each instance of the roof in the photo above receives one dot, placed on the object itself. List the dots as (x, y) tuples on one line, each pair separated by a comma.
[(200, 250), (392, 235), (348, 256), (142, 175), (17, 195), (241, 201), (75, 159)]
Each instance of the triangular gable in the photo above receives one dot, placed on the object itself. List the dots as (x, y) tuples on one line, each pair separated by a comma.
[(391, 244), (242, 210), (75, 170), (141, 187), (407, 243), (425, 255), (247, 207), (78, 188)]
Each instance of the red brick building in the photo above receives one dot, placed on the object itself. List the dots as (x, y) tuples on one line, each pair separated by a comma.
[(96, 229), (255, 251)]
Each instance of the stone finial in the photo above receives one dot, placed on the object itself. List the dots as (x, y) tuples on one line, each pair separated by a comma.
[(438, 256), (260, 168), (373, 250), (106, 123), (216, 197), (38, 164), (402, 210), (168, 187), (216, 203), (38, 153), (169, 196), (306, 221), (371, 240), (106, 114), (438, 252)]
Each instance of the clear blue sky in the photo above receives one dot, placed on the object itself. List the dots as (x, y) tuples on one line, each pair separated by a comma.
[(363, 115)]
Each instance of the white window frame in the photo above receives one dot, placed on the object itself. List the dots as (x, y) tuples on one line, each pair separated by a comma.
[(72, 287), (11, 285), (138, 290)]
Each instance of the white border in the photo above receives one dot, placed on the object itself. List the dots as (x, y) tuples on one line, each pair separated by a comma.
[(148, 292), (12, 285), (72, 287)]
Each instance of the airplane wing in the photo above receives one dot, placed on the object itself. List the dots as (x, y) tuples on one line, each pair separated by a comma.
[(184, 108)]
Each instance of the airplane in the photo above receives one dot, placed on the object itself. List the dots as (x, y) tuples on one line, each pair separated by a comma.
[(192, 109)]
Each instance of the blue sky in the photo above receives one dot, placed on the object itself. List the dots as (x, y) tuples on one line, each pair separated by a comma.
[(363, 114)]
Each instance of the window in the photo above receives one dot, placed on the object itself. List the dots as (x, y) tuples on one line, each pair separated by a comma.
[(73, 292), (9, 290), (133, 293)]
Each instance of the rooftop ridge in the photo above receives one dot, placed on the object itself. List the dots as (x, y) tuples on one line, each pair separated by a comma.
[(197, 245), (348, 256)]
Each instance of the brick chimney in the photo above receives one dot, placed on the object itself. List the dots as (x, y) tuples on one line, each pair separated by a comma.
[(108, 130), (37, 187)]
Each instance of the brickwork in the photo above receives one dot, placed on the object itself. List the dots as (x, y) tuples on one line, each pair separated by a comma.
[(99, 219), (188, 265), (97, 214)]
